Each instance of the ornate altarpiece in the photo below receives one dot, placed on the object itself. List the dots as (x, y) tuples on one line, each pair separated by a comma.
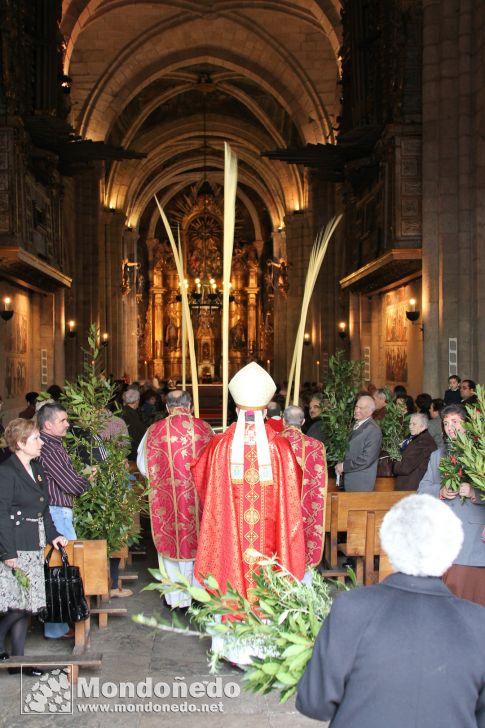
[(201, 235)]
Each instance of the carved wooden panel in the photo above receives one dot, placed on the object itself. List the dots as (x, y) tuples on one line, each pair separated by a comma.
[(5, 220)]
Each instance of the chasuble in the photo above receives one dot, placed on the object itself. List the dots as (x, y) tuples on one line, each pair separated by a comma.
[(171, 447), (239, 517), (310, 455)]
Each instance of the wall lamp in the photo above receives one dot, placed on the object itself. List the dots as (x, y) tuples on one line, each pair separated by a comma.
[(342, 329), (307, 339), (412, 314), (72, 331), (105, 339), (7, 312)]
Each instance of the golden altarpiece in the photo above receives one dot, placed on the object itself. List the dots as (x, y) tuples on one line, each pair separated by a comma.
[(199, 218)]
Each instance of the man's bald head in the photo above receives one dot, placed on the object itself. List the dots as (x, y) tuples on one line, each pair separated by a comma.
[(364, 408), (293, 416)]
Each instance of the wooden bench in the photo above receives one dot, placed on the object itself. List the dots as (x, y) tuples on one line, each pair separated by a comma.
[(337, 521), (363, 543), (363, 533), (51, 661), (92, 559), (383, 485), (102, 613)]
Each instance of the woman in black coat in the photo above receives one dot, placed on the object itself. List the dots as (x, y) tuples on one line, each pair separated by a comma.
[(25, 526), (415, 458)]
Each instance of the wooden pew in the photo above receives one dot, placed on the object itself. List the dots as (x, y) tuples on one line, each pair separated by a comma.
[(337, 518), (363, 542), (383, 485), (92, 559), (50, 661)]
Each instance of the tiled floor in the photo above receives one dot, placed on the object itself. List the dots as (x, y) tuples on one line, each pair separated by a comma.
[(131, 654)]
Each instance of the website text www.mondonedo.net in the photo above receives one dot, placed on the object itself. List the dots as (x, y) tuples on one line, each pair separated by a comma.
[(150, 708)]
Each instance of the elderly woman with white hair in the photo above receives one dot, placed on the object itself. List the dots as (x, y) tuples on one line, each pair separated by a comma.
[(415, 454), (405, 653)]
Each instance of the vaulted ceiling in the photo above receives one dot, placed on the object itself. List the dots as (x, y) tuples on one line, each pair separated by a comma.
[(174, 80)]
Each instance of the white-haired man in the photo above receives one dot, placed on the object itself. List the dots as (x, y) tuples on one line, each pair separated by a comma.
[(132, 417), (404, 653), (165, 455), (359, 467)]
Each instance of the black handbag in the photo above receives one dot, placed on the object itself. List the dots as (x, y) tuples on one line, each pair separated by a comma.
[(65, 600)]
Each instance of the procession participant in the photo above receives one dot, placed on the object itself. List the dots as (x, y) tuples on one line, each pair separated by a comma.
[(311, 457), (165, 455), (249, 484)]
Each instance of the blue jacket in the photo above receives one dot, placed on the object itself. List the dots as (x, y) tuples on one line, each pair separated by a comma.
[(471, 515)]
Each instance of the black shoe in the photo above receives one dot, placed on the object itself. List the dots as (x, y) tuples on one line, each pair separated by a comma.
[(4, 656), (32, 671)]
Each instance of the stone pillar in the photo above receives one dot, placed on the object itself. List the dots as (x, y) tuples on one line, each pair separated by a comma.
[(299, 241), (59, 336), (281, 358), (329, 304), (129, 343), (114, 309), (453, 177)]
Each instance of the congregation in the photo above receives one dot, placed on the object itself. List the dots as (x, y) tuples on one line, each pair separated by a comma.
[(210, 507)]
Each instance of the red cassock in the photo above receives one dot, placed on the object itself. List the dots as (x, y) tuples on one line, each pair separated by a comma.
[(239, 518), (172, 445), (310, 454)]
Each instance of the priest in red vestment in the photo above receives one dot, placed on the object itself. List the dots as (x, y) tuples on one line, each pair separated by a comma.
[(249, 484), (165, 455), (310, 454)]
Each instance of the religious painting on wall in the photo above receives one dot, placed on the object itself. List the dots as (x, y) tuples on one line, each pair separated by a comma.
[(396, 353), (15, 377), (15, 361)]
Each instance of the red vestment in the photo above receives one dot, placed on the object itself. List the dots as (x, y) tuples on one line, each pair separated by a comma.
[(310, 454), (240, 517), (172, 445), (276, 425)]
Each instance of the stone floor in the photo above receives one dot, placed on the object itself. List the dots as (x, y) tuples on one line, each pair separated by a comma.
[(132, 653)]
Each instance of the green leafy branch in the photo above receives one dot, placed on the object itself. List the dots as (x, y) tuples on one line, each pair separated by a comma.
[(343, 381), (465, 461), (107, 509), (281, 624), (393, 426)]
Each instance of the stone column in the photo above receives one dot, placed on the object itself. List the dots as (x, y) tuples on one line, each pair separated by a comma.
[(329, 304), (299, 241), (59, 337), (453, 177), (114, 308), (129, 342)]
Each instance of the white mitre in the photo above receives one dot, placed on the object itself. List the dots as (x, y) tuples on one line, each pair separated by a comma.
[(251, 388)]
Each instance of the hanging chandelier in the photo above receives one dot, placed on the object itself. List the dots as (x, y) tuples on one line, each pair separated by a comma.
[(205, 295)]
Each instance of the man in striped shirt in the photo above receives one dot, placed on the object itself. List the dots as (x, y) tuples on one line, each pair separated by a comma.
[(63, 482)]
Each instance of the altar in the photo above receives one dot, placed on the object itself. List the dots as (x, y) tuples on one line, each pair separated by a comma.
[(200, 223)]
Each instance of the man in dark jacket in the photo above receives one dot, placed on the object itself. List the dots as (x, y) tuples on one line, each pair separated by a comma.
[(359, 467), (405, 653)]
